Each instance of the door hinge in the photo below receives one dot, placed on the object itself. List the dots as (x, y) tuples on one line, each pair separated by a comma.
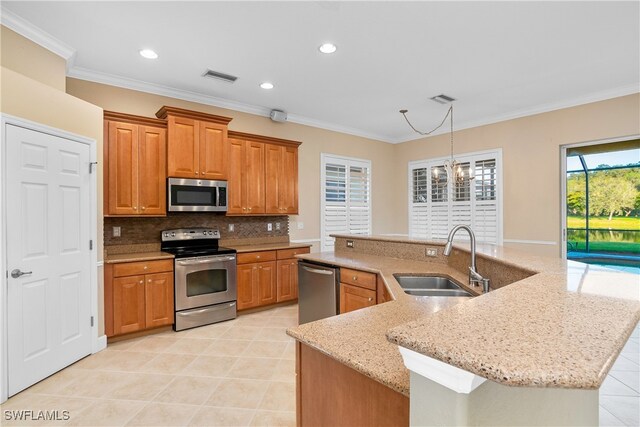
[(91, 166), (90, 245), (92, 321)]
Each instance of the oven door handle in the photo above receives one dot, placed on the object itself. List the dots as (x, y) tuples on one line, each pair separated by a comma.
[(206, 261)]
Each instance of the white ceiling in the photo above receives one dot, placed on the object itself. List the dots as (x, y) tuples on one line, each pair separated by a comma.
[(499, 59)]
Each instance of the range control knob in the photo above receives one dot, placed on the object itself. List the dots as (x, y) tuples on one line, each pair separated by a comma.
[(173, 234), (204, 232)]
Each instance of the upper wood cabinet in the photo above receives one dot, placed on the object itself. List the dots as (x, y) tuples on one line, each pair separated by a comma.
[(197, 146), (263, 175), (135, 165)]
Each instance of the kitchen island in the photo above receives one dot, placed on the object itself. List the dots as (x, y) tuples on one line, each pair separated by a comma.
[(546, 323)]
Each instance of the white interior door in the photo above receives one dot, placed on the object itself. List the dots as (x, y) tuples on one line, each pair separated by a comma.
[(48, 255)]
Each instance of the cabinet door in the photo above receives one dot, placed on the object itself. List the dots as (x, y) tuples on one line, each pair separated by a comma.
[(248, 290), (235, 181), (253, 177), (182, 148), (152, 170), (288, 182), (354, 298), (128, 304), (267, 272), (272, 174), (287, 280), (213, 151), (158, 296), (123, 169)]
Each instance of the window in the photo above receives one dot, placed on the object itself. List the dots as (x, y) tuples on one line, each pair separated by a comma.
[(435, 205), (346, 197)]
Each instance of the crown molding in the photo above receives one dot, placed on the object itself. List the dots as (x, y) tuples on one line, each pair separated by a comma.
[(37, 35), (171, 92), (538, 109)]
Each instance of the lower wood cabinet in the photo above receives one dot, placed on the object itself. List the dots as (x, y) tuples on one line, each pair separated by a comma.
[(267, 277), (354, 298), (256, 284), (359, 289), (138, 296)]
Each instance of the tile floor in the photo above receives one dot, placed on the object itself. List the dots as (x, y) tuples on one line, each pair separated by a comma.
[(236, 373)]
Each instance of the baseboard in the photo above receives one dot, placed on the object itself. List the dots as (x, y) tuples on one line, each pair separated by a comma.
[(100, 343)]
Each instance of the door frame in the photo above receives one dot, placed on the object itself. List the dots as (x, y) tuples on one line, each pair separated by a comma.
[(97, 342), (563, 181)]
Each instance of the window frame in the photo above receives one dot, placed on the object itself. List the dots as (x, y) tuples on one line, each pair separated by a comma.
[(348, 162), (428, 163)]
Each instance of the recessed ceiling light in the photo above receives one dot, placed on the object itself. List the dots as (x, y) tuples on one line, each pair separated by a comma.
[(328, 48), (266, 85), (148, 53)]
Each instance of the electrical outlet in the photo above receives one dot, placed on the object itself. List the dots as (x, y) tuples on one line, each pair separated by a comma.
[(432, 252), (300, 225), (269, 227), (116, 232), (231, 228), (277, 226), (349, 243)]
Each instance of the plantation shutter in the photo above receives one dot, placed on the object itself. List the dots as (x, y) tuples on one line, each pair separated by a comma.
[(346, 198), (439, 205)]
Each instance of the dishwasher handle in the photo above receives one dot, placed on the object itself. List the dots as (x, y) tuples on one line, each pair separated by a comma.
[(318, 271)]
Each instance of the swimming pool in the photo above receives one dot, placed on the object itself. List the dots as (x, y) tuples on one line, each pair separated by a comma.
[(626, 264)]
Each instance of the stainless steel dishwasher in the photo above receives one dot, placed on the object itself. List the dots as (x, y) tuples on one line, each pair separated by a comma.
[(318, 291)]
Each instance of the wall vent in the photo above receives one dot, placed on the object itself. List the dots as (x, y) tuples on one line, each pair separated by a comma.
[(443, 99), (220, 76)]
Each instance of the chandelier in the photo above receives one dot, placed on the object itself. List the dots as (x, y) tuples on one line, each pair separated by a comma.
[(453, 169)]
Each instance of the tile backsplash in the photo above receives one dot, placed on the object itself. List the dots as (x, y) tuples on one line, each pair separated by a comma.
[(138, 230)]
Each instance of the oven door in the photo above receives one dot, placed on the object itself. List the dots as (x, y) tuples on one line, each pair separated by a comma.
[(196, 195), (205, 280)]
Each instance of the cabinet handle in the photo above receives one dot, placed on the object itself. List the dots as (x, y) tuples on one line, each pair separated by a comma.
[(370, 299), (244, 209), (260, 267), (255, 268), (145, 267), (135, 208), (149, 280), (257, 256), (355, 277), (196, 172), (249, 209), (143, 208), (141, 282)]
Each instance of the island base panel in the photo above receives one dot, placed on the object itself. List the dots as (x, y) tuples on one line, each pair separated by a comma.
[(332, 394), (494, 404)]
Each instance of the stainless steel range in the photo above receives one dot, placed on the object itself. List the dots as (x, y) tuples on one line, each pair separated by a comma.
[(205, 277)]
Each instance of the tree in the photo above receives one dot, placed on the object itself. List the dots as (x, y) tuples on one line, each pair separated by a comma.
[(610, 194)]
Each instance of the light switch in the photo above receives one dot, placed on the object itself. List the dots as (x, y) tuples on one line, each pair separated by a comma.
[(300, 225), (231, 228), (277, 226), (116, 231), (269, 227)]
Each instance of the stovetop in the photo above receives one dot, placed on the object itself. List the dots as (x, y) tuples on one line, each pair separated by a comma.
[(192, 242)]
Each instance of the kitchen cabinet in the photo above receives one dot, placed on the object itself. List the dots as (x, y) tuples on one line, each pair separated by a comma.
[(256, 284), (267, 277), (135, 165), (263, 175), (197, 145), (281, 182), (358, 289), (138, 296)]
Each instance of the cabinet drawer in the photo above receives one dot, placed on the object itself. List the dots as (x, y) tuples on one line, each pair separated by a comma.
[(291, 253), (142, 267), (261, 256), (358, 278)]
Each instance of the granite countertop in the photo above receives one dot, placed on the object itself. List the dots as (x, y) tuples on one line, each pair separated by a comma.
[(267, 246), (136, 256), (562, 327)]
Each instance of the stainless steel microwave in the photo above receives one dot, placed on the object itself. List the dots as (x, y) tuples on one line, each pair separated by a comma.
[(196, 195)]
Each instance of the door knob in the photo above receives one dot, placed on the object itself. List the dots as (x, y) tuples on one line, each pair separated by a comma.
[(17, 273)]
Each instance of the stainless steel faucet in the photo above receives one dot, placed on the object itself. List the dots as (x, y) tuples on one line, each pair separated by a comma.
[(475, 279)]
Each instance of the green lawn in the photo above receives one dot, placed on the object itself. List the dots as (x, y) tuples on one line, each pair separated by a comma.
[(618, 223), (629, 248)]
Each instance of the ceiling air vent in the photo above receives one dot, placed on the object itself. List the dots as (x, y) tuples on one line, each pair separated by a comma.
[(220, 76), (443, 99)]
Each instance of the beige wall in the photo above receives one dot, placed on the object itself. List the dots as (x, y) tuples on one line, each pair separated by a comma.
[(314, 142), (531, 159), (27, 58), (34, 93)]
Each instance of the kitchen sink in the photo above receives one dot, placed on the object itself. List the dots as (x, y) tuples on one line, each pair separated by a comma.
[(430, 286)]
